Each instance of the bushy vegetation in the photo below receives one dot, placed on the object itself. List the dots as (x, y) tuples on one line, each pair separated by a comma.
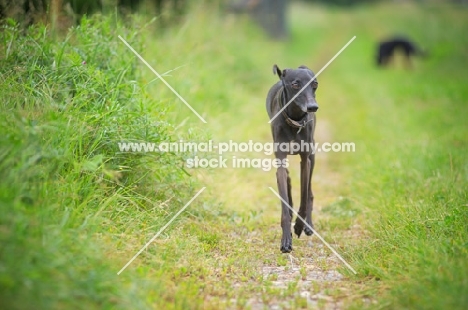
[(66, 103)]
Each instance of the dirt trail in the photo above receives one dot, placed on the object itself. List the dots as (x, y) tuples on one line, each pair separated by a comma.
[(310, 272), (308, 277), (311, 267)]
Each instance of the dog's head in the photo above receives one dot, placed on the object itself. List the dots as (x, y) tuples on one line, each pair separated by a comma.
[(300, 81)]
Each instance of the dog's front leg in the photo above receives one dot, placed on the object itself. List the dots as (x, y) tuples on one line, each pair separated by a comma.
[(282, 180), (310, 200), (305, 170)]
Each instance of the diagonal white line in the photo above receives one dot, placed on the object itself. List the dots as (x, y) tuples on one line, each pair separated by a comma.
[(162, 79), (315, 232), (161, 230), (324, 67), (165, 74)]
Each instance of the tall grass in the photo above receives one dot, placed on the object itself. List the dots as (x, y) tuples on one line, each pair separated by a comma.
[(66, 104)]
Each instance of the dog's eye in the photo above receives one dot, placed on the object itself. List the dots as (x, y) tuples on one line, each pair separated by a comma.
[(314, 86), (295, 85)]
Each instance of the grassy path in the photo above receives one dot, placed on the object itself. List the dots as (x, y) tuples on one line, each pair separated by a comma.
[(239, 229), (226, 252), (309, 276), (240, 264), (246, 213), (306, 277)]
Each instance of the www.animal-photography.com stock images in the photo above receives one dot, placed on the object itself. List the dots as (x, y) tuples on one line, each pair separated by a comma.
[(233, 154)]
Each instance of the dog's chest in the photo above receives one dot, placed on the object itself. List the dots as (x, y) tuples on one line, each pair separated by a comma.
[(288, 134)]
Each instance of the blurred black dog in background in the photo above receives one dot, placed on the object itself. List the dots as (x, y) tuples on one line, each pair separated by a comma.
[(386, 50)]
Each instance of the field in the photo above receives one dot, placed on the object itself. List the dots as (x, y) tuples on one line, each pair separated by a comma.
[(74, 209)]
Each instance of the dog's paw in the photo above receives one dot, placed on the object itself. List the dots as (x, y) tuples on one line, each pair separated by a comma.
[(286, 244), (298, 227), (286, 249), (307, 229)]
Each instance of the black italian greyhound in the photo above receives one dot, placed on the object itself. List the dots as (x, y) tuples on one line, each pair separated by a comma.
[(294, 124)]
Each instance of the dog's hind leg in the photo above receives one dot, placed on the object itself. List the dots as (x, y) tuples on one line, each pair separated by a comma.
[(289, 194)]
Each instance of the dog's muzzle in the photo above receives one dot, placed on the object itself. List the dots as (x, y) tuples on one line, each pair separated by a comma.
[(312, 107)]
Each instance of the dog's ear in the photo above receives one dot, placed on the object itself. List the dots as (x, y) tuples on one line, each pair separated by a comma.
[(303, 67), (277, 70)]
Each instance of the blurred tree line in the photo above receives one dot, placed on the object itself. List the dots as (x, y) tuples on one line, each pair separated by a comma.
[(268, 14), (271, 14), (31, 11)]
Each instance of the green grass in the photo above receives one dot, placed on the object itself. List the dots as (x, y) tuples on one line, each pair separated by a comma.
[(65, 187), (74, 210), (409, 173)]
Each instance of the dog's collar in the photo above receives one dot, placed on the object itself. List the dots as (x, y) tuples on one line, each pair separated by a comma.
[(281, 96)]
